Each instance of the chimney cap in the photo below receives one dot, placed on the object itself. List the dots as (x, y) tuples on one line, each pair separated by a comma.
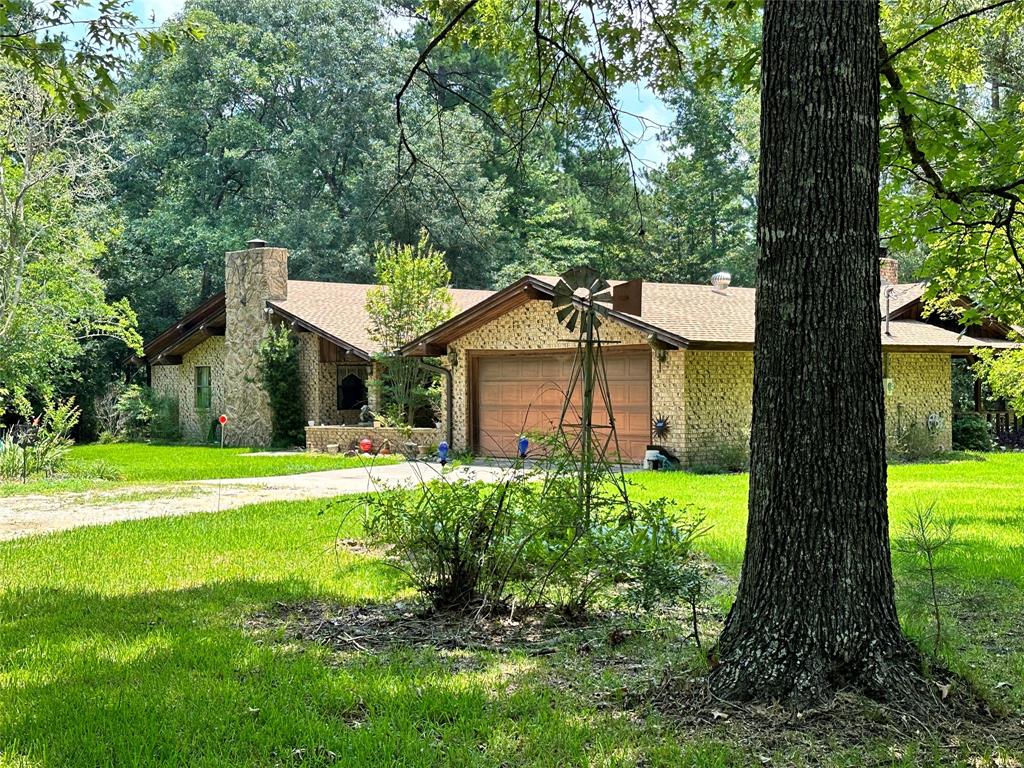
[(256, 243), (720, 280)]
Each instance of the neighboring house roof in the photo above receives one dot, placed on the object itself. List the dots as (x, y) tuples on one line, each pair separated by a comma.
[(700, 317), (335, 311)]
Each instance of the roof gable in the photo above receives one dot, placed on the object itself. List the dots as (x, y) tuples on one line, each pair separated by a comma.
[(206, 320)]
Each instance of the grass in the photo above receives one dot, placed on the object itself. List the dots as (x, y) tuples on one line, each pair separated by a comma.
[(982, 572), (99, 466), (128, 644)]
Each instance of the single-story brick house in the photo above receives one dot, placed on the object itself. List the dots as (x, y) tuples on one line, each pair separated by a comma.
[(683, 353)]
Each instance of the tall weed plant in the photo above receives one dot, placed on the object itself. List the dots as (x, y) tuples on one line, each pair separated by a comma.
[(40, 447)]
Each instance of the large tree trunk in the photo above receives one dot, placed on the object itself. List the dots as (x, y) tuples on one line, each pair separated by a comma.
[(815, 608)]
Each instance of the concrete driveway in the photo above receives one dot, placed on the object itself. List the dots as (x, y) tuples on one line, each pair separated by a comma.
[(26, 515)]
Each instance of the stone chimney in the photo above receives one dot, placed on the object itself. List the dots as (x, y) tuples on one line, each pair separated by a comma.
[(251, 278), (889, 268)]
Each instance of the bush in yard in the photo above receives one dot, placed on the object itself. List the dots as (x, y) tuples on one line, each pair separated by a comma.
[(165, 425), (635, 553), (279, 369), (459, 541), (524, 540), (654, 549), (135, 404), (40, 447), (915, 442), (136, 412), (971, 432)]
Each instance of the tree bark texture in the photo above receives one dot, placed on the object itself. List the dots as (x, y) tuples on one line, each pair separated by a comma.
[(815, 609)]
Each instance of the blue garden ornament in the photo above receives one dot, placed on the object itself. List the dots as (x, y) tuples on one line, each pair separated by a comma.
[(524, 446), (442, 452)]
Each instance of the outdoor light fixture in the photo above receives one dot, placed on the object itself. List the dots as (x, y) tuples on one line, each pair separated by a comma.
[(524, 446), (442, 452)]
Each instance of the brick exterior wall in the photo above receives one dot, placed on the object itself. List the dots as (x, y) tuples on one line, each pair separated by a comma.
[(718, 400), (922, 385), (179, 382), (706, 394), (668, 398)]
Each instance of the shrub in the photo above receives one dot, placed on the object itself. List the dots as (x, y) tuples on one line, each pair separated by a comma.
[(915, 442), (135, 404), (279, 369), (723, 458), (654, 550), (971, 433), (528, 540), (459, 541), (165, 424), (136, 412)]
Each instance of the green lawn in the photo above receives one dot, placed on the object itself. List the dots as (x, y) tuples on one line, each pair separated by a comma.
[(97, 466), (127, 644)]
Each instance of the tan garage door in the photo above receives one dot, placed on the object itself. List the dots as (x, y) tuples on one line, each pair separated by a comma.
[(524, 392)]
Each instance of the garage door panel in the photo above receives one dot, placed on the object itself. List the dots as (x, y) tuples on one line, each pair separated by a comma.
[(523, 393)]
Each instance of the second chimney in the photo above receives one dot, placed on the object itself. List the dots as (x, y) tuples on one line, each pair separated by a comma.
[(627, 297), (889, 269)]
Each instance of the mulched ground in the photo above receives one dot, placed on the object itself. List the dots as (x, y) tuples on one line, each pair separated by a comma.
[(650, 688)]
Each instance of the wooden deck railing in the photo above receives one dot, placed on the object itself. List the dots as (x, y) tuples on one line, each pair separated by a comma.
[(1004, 422)]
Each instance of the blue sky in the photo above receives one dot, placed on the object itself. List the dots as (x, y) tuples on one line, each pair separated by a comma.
[(160, 10), (648, 115)]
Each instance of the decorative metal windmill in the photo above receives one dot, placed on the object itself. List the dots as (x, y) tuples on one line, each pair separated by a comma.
[(576, 297)]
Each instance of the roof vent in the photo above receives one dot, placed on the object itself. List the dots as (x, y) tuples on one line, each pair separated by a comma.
[(720, 281), (256, 243)]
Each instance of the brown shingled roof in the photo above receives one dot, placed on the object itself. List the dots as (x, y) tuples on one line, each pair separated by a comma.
[(914, 333), (698, 316), (903, 295), (338, 310)]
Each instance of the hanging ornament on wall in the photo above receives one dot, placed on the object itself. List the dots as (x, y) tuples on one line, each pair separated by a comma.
[(660, 426)]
